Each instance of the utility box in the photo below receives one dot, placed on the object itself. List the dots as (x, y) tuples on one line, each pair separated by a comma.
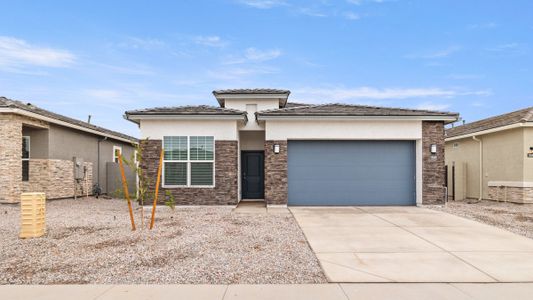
[(79, 171), (32, 215)]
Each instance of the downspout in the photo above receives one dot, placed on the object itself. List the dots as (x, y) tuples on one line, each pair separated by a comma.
[(480, 166)]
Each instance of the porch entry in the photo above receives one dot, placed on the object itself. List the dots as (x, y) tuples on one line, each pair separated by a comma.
[(253, 174)]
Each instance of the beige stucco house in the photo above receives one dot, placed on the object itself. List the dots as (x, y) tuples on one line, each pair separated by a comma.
[(42, 151), (257, 145), (492, 158)]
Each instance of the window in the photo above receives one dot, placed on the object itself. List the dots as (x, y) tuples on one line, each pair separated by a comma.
[(116, 151), (189, 161), (25, 158), (456, 145)]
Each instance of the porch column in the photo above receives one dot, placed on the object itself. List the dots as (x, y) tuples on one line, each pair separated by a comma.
[(276, 181), (10, 158)]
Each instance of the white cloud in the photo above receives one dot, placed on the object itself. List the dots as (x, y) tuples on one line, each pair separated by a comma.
[(142, 43), (465, 76), (211, 41), (436, 54), (343, 94), (351, 16), (16, 54), (433, 106), (253, 55), (360, 2), (507, 49), (263, 4)]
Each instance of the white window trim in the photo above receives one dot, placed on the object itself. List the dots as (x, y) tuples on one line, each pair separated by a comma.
[(115, 148), (188, 162), (29, 154)]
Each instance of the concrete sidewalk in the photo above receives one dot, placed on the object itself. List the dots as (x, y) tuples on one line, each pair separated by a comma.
[(368, 291)]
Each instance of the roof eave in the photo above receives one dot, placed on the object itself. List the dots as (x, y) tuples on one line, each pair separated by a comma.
[(137, 117), (491, 130), (63, 123), (446, 118), (282, 97)]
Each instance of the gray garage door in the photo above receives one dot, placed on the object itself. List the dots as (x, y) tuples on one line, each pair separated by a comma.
[(351, 173)]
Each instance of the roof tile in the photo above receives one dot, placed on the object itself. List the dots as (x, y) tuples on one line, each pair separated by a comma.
[(5, 102), (523, 115), (339, 109)]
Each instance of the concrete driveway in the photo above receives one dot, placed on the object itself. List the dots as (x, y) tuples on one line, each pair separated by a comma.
[(412, 244)]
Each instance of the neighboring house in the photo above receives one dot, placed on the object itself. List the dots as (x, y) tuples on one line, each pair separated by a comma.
[(492, 158), (46, 152), (255, 145)]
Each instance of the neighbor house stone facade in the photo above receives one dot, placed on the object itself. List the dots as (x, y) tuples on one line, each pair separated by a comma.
[(54, 141), (225, 191), (511, 194), (433, 168)]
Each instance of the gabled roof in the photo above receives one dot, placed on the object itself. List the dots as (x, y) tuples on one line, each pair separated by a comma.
[(251, 91), (346, 110), (14, 106), (515, 117), (185, 111)]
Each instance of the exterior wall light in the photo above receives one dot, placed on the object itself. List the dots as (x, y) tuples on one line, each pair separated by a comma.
[(433, 149), (276, 148)]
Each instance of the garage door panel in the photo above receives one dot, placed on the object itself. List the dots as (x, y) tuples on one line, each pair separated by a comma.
[(351, 172)]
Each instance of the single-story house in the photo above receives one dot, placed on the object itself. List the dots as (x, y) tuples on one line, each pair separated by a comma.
[(492, 158), (257, 145), (42, 151)]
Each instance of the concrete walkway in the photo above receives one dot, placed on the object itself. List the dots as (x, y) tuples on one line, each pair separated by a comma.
[(412, 244), (397, 291)]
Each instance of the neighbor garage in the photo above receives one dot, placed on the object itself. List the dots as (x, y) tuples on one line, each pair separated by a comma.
[(351, 172)]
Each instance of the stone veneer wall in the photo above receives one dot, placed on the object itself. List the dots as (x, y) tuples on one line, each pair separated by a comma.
[(226, 176), (276, 180), (433, 168), (55, 178), (10, 154), (511, 194)]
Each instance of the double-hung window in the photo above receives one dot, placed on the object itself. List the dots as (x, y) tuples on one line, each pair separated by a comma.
[(25, 158), (189, 161)]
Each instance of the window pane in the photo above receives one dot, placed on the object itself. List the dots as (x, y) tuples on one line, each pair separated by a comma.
[(175, 173), (202, 147), (175, 147), (25, 170), (201, 173), (25, 147)]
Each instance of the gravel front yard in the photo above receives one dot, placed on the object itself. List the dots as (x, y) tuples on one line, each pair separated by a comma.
[(90, 241), (517, 218)]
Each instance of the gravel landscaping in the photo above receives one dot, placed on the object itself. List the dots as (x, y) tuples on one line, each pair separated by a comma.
[(90, 241), (517, 218)]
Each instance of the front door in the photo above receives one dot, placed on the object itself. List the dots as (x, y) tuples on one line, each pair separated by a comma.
[(252, 170)]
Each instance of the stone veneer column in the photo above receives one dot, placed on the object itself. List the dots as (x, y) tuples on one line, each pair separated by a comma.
[(276, 181), (433, 170), (225, 191), (10, 158)]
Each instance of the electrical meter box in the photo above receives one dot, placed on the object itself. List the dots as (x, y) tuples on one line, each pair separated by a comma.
[(79, 171)]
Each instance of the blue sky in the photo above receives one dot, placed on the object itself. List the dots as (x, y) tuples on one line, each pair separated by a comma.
[(105, 57)]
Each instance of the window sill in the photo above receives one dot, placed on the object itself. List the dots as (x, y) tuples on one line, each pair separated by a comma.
[(188, 186)]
